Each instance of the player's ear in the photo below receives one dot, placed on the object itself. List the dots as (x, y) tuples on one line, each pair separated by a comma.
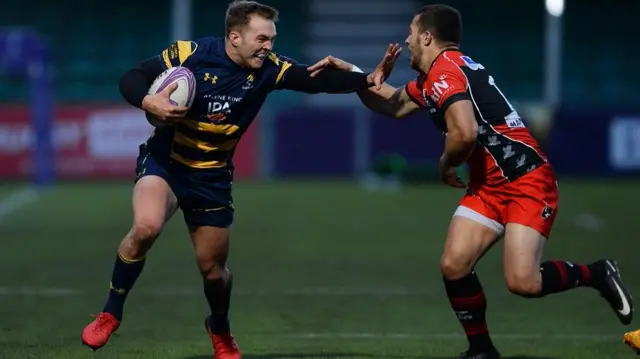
[(426, 38), (234, 38)]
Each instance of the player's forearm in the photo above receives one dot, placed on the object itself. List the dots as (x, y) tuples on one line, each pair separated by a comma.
[(458, 147), (134, 84), (381, 101), (333, 81)]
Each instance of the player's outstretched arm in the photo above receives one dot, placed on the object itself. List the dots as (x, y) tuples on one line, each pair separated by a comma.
[(134, 86), (333, 81), (325, 76), (382, 98), (388, 100)]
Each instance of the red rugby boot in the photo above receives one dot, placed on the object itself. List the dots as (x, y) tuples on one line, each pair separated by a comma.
[(98, 332), (224, 345)]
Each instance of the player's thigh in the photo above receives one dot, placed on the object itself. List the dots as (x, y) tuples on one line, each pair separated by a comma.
[(473, 230), (522, 255), (531, 210), (154, 200), (532, 200)]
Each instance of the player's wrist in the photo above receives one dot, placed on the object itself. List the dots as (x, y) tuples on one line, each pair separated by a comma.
[(145, 102), (370, 80)]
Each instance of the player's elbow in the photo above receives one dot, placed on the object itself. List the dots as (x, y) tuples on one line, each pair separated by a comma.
[(467, 133), (402, 111), (470, 134)]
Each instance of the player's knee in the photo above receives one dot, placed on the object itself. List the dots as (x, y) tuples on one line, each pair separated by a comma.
[(140, 239), (145, 232), (455, 266), (524, 284), (212, 269), (212, 263)]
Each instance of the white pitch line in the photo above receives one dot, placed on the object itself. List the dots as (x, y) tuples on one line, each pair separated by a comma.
[(306, 291), (39, 292), (190, 292), (196, 292), (453, 336), (327, 291), (16, 201)]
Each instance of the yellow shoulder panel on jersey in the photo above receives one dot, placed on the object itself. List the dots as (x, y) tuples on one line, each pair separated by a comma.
[(283, 65), (273, 57), (178, 52)]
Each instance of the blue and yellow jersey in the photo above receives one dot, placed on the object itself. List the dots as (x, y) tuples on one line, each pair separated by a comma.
[(228, 98)]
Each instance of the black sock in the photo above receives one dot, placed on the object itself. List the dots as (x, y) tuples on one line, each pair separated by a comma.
[(218, 293), (560, 276), (470, 305), (125, 273)]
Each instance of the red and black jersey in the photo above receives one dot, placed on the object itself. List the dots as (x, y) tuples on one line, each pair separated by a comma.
[(505, 149)]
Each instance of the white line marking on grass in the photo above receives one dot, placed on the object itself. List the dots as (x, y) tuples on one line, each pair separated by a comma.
[(589, 222), (16, 201), (454, 336), (326, 291), (305, 291), (277, 292), (39, 292)]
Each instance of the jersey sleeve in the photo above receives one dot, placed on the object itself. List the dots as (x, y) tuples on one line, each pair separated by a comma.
[(415, 93), (446, 84), (179, 53), (281, 65)]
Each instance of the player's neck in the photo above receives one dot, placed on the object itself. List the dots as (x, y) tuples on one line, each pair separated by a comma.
[(232, 54), (432, 54)]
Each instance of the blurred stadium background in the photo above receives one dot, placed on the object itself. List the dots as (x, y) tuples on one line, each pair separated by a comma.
[(339, 221)]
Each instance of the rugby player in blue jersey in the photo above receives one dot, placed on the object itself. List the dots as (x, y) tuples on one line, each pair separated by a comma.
[(188, 164)]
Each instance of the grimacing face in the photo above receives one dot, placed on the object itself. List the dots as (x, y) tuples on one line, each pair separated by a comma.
[(255, 41), (413, 44)]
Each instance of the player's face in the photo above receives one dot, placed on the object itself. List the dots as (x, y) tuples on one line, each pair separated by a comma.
[(413, 45), (257, 40)]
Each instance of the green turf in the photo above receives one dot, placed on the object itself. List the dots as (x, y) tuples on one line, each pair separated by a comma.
[(322, 270)]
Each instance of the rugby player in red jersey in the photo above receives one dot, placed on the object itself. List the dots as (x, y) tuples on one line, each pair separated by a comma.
[(512, 190)]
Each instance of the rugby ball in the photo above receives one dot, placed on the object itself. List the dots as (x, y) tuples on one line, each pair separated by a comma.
[(182, 96)]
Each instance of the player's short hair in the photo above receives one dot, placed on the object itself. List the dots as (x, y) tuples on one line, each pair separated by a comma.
[(239, 13), (443, 21)]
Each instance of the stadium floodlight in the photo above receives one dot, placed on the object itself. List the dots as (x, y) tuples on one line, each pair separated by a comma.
[(24, 53), (554, 7), (553, 53)]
